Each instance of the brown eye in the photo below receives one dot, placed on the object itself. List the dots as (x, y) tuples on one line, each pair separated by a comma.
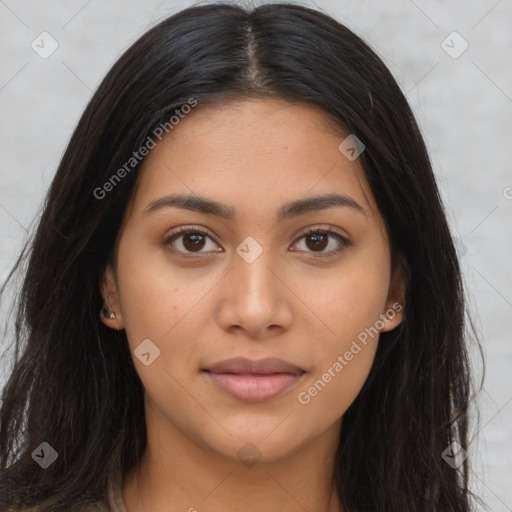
[(318, 240), (188, 241), (193, 241)]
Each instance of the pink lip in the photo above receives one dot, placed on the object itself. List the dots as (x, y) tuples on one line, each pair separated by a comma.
[(254, 381)]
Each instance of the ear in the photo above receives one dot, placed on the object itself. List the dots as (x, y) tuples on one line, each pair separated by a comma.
[(111, 304), (395, 304)]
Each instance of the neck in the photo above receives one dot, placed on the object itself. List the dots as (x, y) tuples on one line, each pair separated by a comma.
[(180, 475)]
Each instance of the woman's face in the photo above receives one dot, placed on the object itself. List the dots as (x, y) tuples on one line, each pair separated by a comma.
[(255, 285)]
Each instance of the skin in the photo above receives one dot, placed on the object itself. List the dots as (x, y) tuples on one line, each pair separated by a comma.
[(290, 303)]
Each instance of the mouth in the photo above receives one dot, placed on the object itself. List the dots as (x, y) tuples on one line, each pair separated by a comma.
[(254, 381)]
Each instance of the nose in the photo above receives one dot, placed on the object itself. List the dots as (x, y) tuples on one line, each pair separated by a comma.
[(255, 298)]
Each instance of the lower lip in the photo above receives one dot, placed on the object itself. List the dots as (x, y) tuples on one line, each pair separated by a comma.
[(254, 388)]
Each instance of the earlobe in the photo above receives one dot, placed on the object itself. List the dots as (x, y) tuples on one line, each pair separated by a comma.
[(110, 312), (395, 305), (392, 317)]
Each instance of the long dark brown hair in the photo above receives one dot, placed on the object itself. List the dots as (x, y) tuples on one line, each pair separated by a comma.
[(73, 383)]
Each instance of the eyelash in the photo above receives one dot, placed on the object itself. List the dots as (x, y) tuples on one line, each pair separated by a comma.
[(344, 242)]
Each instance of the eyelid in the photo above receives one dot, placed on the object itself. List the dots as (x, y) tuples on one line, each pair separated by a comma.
[(183, 230), (322, 228), (326, 229), (189, 229)]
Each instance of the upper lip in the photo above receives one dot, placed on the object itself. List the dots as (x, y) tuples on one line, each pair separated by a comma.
[(243, 365)]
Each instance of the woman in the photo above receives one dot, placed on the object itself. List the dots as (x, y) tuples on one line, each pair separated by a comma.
[(243, 293)]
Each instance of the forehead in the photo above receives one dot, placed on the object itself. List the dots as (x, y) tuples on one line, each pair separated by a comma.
[(253, 154)]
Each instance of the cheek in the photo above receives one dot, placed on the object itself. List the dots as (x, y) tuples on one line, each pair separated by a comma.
[(156, 296), (165, 305), (351, 301), (350, 310), (342, 361), (329, 393)]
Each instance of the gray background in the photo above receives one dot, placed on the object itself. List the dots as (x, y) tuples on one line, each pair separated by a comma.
[(463, 105)]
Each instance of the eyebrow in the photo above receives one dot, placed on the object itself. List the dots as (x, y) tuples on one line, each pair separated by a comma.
[(286, 211)]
